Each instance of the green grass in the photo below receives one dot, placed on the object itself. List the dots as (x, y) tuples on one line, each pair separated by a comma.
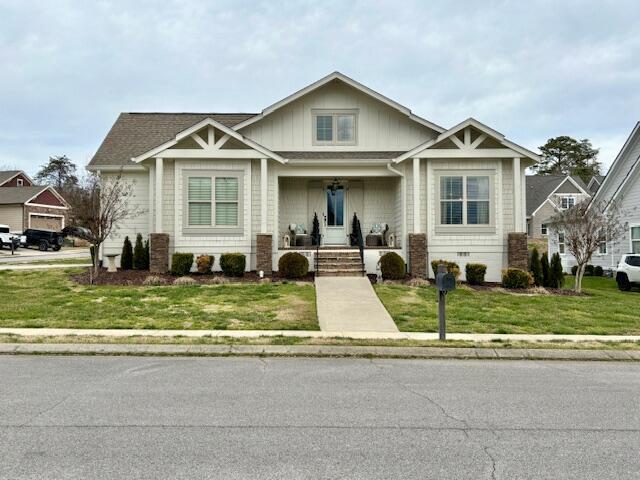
[(47, 298), (604, 311)]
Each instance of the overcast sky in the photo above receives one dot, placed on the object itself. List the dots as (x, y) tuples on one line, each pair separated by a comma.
[(529, 69)]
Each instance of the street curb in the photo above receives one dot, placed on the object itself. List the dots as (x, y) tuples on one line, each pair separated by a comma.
[(318, 351)]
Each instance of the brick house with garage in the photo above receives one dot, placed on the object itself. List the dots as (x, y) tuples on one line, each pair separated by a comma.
[(26, 205)]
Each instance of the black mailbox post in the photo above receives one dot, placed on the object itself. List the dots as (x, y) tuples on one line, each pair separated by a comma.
[(445, 282)]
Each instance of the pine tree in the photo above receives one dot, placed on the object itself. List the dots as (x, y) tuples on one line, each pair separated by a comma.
[(536, 267), (546, 272), (557, 275), (138, 254), (126, 258), (315, 230)]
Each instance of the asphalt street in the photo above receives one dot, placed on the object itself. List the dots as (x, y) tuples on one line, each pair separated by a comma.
[(290, 418)]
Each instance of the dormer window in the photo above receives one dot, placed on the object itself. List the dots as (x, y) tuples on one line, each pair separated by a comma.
[(334, 127), (19, 182)]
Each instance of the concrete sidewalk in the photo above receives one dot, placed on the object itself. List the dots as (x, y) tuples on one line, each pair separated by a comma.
[(20, 266), (357, 335), (350, 304), (319, 351)]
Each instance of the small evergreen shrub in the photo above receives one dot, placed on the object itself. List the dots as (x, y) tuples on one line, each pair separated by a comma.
[(233, 264), (574, 270), (392, 266), (516, 278), (184, 281), (204, 263), (556, 276), (588, 270), (546, 270), (138, 254), (598, 271), (535, 267), (475, 273), (452, 267), (181, 263), (146, 255), (126, 259), (293, 265)]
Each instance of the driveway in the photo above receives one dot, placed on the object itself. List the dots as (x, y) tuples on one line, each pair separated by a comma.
[(32, 254), (295, 418)]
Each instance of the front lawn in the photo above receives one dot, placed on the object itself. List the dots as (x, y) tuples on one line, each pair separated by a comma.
[(604, 311), (48, 298)]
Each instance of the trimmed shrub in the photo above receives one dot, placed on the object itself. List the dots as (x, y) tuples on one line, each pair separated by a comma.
[(556, 275), (146, 254), (516, 278), (293, 265), (233, 264), (535, 267), (184, 281), (154, 280), (598, 271), (546, 270), (181, 263), (392, 266), (574, 270), (138, 254), (452, 267), (204, 263), (588, 270), (126, 259), (475, 273)]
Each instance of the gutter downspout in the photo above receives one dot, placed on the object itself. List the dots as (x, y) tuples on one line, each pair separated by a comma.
[(403, 192)]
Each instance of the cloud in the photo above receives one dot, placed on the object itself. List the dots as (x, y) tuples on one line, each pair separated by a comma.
[(531, 70)]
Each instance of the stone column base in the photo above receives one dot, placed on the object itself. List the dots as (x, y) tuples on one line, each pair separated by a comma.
[(518, 254), (264, 254), (158, 252), (418, 255)]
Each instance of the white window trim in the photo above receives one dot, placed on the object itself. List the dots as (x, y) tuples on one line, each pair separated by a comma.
[(631, 239), (471, 229), (334, 113), (562, 197), (564, 243), (544, 229), (214, 230), (19, 182)]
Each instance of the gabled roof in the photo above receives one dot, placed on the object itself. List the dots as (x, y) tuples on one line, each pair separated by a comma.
[(540, 187), (352, 83), (615, 166), (136, 133), (470, 122), (10, 195), (7, 175)]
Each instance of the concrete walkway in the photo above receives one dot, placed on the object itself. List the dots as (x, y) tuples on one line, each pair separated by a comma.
[(350, 304), (358, 335)]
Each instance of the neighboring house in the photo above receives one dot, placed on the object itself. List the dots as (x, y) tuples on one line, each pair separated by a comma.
[(26, 205), (237, 182), (594, 183), (622, 185), (548, 194)]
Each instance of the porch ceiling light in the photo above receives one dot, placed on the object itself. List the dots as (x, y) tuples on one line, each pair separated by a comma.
[(334, 185)]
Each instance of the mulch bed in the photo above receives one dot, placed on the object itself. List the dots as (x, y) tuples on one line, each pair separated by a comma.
[(137, 277)]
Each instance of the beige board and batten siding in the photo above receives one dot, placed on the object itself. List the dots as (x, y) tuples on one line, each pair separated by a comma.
[(378, 126), (12, 215)]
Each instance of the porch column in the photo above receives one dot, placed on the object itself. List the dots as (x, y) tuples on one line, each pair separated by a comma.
[(517, 195), (152, 185), (264, 191), (416, 195), (158, 194)]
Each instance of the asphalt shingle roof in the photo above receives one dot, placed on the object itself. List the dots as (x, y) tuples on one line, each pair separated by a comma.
[(539, 187), (10, 195), (136, 133), (7, 174), (339, 155)]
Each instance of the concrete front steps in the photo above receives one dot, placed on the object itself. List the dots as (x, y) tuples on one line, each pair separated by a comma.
[(339, 263)]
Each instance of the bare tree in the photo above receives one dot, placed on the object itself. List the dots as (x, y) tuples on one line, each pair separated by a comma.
[(99, 205), (584, 227)]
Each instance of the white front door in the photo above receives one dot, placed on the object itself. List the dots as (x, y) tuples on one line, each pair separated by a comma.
[(335, 232)]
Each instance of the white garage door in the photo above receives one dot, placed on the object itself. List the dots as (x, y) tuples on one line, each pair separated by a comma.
[(46, 223)]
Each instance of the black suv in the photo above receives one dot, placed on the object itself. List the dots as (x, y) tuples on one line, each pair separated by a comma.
[(43, 239)]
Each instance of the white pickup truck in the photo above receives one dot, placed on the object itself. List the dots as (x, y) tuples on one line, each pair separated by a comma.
[(628, 271), (7, 238)]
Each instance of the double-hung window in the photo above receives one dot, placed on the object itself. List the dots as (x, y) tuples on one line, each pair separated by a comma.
[(334, 128), (567, 202), (465, 200), (561, 243), (635, 239), (543, 229), (213, 201)]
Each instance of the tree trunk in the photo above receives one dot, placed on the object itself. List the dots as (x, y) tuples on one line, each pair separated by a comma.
[(96, 261), (579, 274)]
